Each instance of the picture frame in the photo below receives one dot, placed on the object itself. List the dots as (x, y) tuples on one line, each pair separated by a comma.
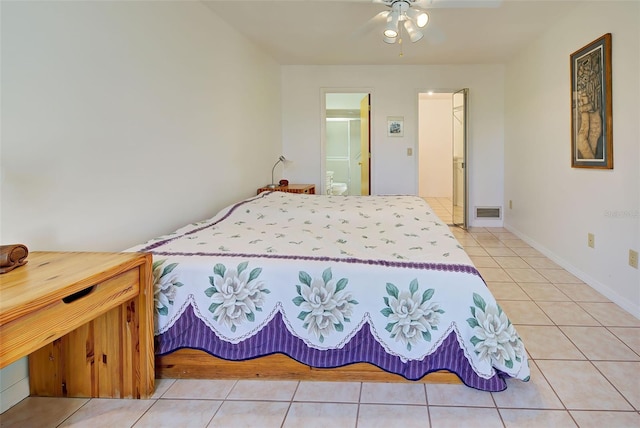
[(591, 105), (395, 126)]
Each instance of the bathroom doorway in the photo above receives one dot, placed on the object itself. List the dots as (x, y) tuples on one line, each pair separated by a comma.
[(347, 142), (442, 154)]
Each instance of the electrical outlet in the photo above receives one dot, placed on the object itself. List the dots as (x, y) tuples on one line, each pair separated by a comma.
[(510, 204), (633, 259), (409, 151), (591, 240)]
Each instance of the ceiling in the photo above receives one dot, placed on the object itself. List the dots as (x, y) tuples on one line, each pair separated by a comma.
[(343, 32)]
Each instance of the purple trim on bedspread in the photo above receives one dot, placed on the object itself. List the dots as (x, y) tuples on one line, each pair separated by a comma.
[(190, 332), (387, 263)]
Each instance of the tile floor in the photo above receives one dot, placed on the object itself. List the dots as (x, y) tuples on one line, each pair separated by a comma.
[(585, 371), (442, 207)]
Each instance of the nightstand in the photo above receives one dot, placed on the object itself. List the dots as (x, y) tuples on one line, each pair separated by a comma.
[(309, 189), (86, 322)]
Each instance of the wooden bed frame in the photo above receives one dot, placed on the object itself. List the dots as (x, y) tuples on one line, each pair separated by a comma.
[(195, 364)]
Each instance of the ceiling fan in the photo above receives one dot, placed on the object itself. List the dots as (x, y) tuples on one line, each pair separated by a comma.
[(411, 16), (403, 14)]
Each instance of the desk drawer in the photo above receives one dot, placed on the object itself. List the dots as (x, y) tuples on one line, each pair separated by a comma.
[(32, 331)]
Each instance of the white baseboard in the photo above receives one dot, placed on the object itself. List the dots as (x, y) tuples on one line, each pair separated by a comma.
[(632, 307), (14, 394)]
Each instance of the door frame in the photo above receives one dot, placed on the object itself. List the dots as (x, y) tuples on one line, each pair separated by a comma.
[(466, 147), (323, 132)]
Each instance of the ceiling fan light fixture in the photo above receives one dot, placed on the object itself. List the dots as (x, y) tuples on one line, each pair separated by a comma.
[(420, 17), (390, 40), (412, 30), (391, 30)]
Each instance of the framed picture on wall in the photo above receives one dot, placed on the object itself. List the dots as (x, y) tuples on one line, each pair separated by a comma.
[(591, 112), (395, 126)]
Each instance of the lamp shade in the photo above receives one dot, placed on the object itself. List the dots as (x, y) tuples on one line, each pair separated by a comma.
[(412, 30), (420, 17), (391, 29)]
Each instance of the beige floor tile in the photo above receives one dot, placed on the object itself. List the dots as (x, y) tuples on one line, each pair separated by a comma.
[(484, 234), (263, 390), (475, 251), (525, 312), (456, 417), (568, 313), (506, 291), (393, 393), (504, 235), (525, 275), (328, 392), (491, 243), (475, 229), (457, 395), (540, 263), (494, 274), (581, 293), (607, 419), (500, 251), (108, 413), (321, 415), (559, 276), (467, 241), (484, 261), (536, 418), (515, 243), (495, 230), (535, 394), (629, 335), (249, 414), (162, 385), (174, 413), (548, 343), (569, 379), (610, 314), (597, 343), (544, 292), (527, 252), (199, 389), (41, 412), (624, 376), (386, 416), (511, 262)]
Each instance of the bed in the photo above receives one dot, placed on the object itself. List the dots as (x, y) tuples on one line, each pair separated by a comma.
[(327, 287)]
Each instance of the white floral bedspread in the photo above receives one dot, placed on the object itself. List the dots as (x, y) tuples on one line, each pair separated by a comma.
[(329, 265)]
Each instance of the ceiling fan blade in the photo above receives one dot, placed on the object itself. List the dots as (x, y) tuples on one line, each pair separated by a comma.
[(431, 4), (375, 23), (434, 35)]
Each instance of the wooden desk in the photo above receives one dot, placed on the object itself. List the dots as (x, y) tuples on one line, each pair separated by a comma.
[(292, 188), (85, 320)]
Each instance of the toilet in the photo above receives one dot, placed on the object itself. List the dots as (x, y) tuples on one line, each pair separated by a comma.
[(333, 187), (338, 188)]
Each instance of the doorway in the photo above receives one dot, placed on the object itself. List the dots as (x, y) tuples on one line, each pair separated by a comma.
[(346, 143), (442, 154)]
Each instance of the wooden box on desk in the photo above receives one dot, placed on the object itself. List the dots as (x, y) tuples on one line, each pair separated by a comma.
[(86, 322)]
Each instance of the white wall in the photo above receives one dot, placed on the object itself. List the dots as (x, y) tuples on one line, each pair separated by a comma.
[(395, 93), (122, 121), (556, 206), (435, 146)]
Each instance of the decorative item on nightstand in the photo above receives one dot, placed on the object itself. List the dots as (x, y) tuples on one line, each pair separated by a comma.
[(273, 184)]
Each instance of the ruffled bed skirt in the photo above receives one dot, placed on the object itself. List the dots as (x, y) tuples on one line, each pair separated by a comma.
[(190, 332)]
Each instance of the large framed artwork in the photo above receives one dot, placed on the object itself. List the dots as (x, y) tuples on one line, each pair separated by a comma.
[(591, 112)]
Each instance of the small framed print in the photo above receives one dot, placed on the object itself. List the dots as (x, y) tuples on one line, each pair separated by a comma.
[(395, 126)]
